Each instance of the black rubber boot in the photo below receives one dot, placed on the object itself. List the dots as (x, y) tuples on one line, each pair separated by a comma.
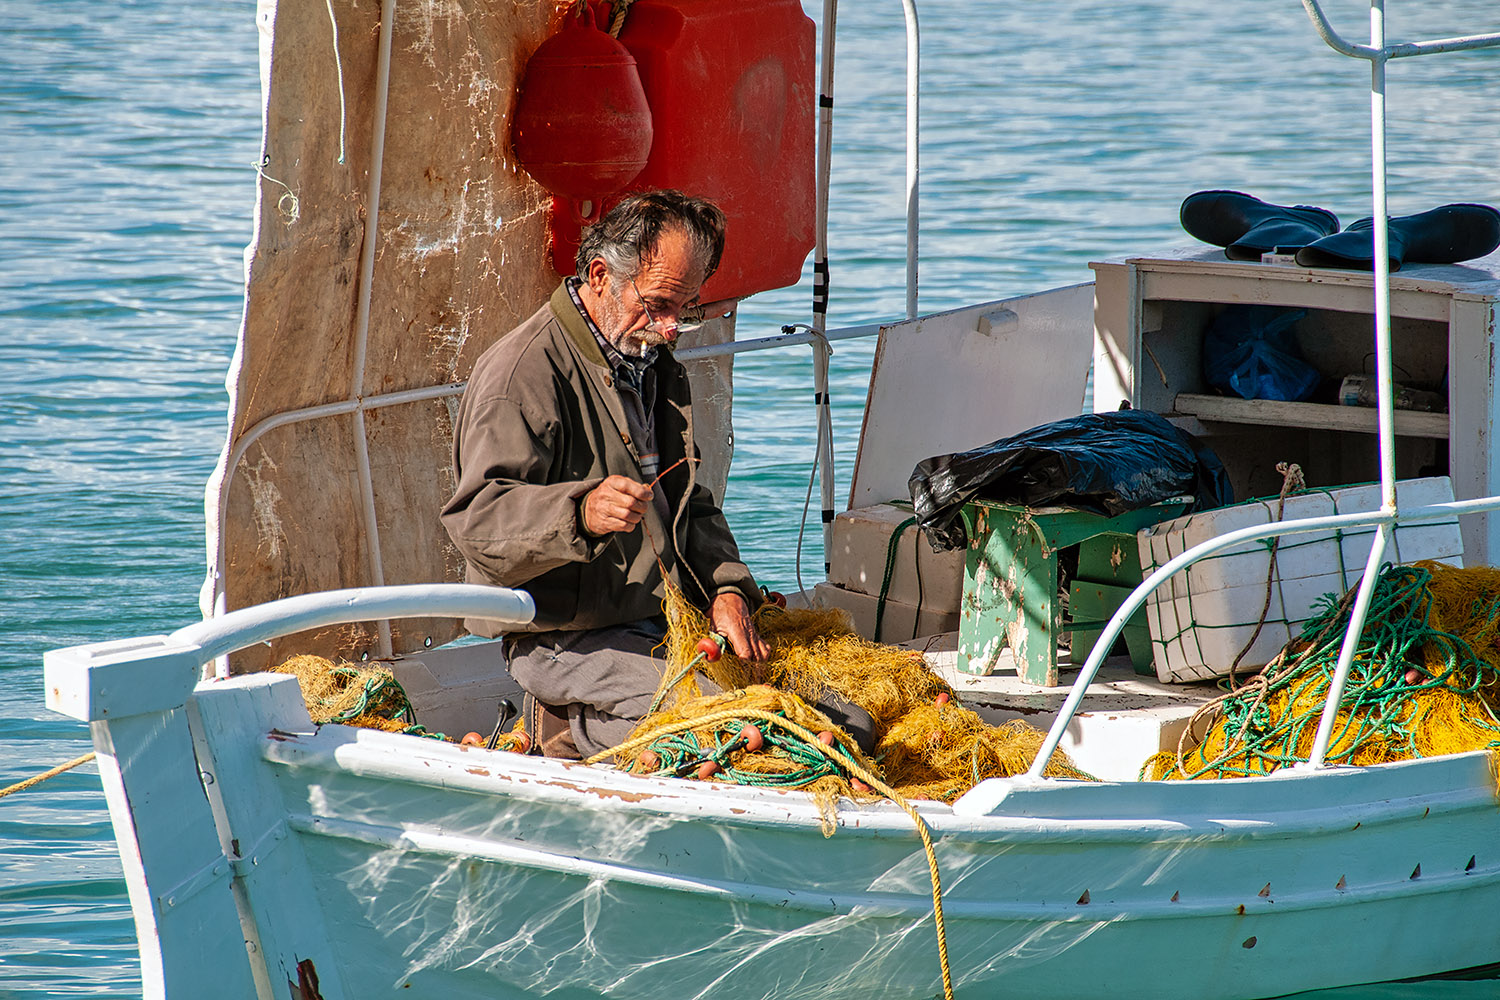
[(1247, 227), (1443, 235)]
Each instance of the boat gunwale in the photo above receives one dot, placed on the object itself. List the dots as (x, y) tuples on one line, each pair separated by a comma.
[(371, 753)]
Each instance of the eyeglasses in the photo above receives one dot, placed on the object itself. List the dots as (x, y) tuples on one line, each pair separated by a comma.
[(689, 320)]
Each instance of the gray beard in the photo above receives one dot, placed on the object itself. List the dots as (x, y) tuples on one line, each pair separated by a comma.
[(641, 344)]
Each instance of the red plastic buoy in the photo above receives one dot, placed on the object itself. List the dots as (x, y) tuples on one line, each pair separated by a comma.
[(582, 127), (711, 647)]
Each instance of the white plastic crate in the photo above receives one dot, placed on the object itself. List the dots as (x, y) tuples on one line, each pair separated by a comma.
[(1203, 617)]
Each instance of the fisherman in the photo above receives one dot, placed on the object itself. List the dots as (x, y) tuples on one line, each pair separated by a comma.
[(577, 478)]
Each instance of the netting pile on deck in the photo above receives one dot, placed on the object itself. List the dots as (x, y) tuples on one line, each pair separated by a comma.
[(1424, 682), (366, 696), (928, 745)]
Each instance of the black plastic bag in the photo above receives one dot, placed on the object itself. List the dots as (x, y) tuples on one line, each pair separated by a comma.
[(1105, 462)]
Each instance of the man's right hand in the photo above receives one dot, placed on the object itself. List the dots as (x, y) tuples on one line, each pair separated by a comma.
[(617, 504)]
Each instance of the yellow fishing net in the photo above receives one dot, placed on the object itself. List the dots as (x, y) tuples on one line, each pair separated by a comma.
[(1424, 682), (369, 696), (928, 745), (366, 696)]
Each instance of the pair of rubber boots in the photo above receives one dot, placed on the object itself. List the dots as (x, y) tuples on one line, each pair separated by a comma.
[(1247, 227)]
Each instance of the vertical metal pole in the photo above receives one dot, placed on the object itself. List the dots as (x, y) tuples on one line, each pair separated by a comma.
[(376, 565), (1350, 645), (820, 277), (1384, 375), (913, 150), (1384, 392)]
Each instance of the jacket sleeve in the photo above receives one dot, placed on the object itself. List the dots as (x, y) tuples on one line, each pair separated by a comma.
[(510, 516)]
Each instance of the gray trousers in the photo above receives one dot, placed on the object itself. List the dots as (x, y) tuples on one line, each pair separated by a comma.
[(605, 679)]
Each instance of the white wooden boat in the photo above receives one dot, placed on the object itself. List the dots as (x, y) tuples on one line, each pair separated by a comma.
[(379, 861), (264, 854)]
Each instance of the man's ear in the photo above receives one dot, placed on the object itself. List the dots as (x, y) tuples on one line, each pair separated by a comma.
[(598, 275)]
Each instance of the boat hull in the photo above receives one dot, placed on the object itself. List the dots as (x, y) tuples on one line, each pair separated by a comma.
[(460, 872)]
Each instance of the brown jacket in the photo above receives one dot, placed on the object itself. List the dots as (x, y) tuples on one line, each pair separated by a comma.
[(541, 424)]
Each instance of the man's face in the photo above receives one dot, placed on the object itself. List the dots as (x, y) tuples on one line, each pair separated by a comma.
[(638, 314)]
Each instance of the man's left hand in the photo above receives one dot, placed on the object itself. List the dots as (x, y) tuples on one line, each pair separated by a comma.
[(730, 617)]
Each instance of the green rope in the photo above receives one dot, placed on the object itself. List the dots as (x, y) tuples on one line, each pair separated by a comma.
[(680, 753), (890, 571), (1396, 635), (386, 698)]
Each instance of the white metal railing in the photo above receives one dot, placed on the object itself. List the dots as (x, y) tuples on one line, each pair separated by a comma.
[(913, 149), (1378, 53), (821, 277), (1383, 517), (235, 630)]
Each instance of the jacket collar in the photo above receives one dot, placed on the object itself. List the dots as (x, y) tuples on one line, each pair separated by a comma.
[(576, 327)]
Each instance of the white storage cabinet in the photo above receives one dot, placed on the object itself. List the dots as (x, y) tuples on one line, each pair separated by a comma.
[(1150, 314)]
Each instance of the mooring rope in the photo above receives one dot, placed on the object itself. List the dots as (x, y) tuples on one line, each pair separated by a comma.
[(21, 786)]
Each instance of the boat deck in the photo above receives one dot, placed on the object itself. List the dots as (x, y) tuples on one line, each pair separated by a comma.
[(1125, 717)]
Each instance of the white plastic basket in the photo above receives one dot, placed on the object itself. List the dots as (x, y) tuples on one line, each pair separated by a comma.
[(1202, 619)]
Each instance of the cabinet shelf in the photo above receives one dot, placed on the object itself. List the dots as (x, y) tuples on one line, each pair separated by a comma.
[(1318, 416)]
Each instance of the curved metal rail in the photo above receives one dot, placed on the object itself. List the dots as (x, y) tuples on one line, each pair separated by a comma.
[(236, 630)]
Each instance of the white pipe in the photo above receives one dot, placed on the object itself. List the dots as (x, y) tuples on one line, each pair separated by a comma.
[(1384, 391), (372, 199), (821, 351), (913, 150), (375, 568), (220, 636), (1401, 49), (779, 340), (1385, 396), (375, 564), (1349, 647), (1378, 52)]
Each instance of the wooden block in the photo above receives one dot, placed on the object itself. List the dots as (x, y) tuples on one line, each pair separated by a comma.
[(920, 576), (899, 623)]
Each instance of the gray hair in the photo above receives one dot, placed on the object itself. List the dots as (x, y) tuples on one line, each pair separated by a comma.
[(630, 232)]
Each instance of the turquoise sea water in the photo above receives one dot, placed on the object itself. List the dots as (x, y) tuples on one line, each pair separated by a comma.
[(1055, 134)]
